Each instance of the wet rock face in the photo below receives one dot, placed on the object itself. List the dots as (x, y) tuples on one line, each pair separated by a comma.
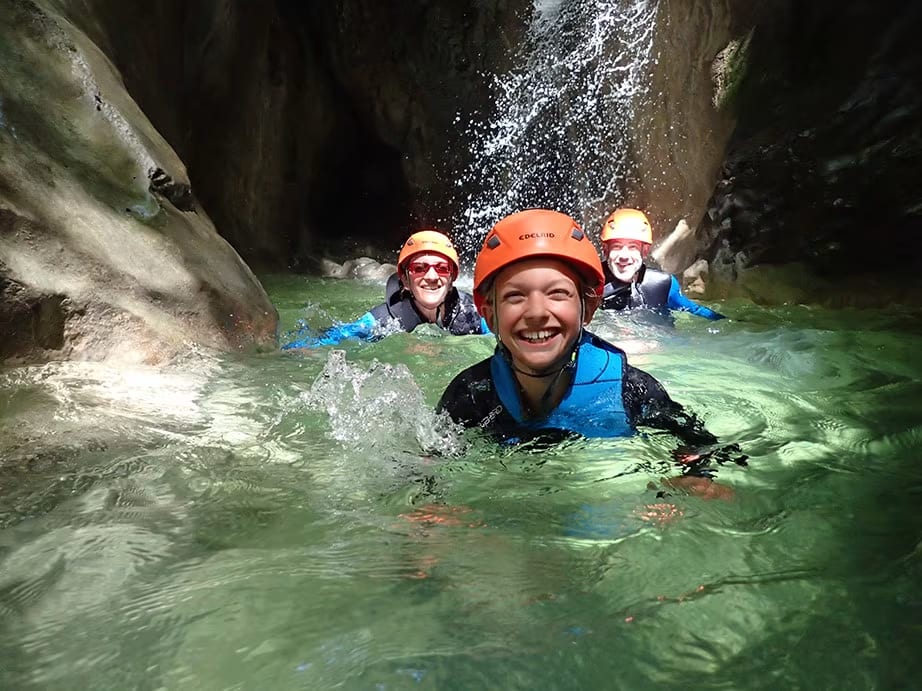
[(779, 131), (307, 121), (403, 72), (302, 123), (105, 253), (681, 129), (823, 167)]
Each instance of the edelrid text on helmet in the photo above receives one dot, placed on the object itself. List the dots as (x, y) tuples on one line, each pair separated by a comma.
[(534, 236), (627, 224), (427, 241), (537, 233)]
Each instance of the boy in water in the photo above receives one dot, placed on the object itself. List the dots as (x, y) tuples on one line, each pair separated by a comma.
[(631, 284), (422, 291), (538, 281)]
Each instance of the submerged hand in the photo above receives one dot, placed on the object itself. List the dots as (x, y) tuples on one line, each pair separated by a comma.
[(698, 486), (697, 458), (659, 514)]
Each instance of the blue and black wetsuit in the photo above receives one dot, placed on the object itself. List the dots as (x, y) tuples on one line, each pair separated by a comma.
[(653, 289), (398, 312), (606, 398)]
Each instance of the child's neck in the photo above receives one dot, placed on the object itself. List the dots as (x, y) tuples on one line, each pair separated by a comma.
[(540, 395)]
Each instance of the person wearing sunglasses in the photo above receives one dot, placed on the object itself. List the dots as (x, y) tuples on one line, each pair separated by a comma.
[(421, 292)]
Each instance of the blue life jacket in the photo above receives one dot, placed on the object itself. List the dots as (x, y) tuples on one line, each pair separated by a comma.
[(593, 406), (607, 397)]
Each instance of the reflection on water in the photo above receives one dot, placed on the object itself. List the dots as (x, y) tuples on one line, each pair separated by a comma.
[(304, 520)]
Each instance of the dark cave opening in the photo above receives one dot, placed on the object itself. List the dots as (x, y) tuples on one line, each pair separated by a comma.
[(362, 201)]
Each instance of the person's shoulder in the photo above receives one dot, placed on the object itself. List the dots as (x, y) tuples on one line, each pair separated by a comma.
[(599, 361), (463, 317), (651, 273), (393, 287), (469, 381), (478, 372), (464, 298), (590, 339), (641, 385), (464, 391), (380, 312)]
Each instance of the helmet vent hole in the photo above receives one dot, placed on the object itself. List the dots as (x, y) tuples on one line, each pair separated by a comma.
[(493, 242)]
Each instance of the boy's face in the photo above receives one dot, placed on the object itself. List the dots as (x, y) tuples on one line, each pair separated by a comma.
[(536, 311), (624, 258), (430, 277)]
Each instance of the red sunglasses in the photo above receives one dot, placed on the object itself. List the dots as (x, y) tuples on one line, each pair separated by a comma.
[(443, 269)]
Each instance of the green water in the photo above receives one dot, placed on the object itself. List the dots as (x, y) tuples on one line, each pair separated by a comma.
[(301, 520)]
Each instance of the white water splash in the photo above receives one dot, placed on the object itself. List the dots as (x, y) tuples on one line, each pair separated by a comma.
[(557, 136), (378, 406)]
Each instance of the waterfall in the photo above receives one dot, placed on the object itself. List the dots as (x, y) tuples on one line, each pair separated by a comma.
[(557, 135)]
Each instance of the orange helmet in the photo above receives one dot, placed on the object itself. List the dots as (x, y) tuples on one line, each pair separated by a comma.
[(427, 241), (628, 224), (537, 233)]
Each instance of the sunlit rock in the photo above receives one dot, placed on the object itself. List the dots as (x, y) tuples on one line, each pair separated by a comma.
[(694, 278), (682, 124), (364, 268), (330, 269), (374, 270), (677, 250), (105, 253)]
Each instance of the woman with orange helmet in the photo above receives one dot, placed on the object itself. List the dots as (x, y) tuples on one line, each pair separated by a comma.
[(537, 282), (629, 283), (422, 291)]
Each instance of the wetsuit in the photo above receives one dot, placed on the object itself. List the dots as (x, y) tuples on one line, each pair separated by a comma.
[(398, 312), (652, 289), (606, 398)]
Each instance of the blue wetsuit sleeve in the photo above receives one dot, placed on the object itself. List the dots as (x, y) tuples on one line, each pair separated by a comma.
[(362, 328), (677, 301)]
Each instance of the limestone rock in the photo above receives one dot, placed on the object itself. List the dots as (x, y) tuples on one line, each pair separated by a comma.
[(330, 269), (104, 252), (676, 252), (373, 271), (699, 269), (694, 278)]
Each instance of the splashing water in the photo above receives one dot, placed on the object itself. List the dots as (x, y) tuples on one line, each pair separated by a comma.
[(278, 521), (558, 138), (378, 405)]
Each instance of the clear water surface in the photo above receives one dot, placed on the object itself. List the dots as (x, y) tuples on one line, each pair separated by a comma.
[(302, 520)]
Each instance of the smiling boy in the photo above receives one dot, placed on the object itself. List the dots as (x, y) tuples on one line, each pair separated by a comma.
[(630, 284), (537, 282)]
